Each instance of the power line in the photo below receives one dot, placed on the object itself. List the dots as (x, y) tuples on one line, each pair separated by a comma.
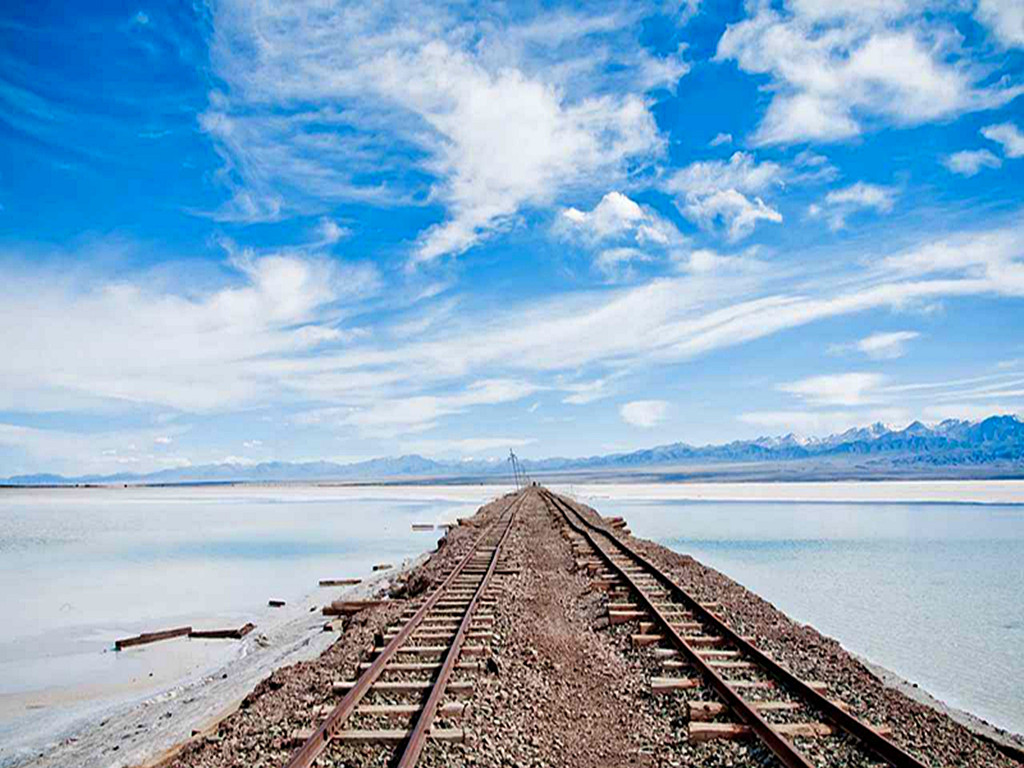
[(518, 474)]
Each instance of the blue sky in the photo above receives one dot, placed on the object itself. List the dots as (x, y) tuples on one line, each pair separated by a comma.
[(247, 231)]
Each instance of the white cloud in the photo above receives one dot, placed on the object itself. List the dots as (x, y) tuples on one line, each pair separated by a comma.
[(1005, 18), (331, 232), (583, 392), (848, 389), (704, 261), (839, 69), (500, 115), (391, 417), (1007, 134), (886, 346), (863, 196), (644, 413), (616, 264), (189, 349), (163, 440), (638, 233), (712, 192), (618, 217), (720, 139), (252, 443), (969, 162), (841, 203)]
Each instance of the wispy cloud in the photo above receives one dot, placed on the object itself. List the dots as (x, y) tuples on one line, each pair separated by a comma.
[(836, 389), (1006, 134), (970, 161), (839, 204), (880, 346), (713, 192)]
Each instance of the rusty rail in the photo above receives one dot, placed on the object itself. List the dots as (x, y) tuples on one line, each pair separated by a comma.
[(788, 754), (317, 743), (418, 737)]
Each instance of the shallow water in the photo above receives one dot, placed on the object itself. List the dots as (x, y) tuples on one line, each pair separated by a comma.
[(80, 568), (931, 591)]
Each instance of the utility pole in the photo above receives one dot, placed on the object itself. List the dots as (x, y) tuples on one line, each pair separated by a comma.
[(517, 469)]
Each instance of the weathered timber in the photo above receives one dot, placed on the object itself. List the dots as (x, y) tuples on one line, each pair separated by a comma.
[(223, 634), (151, 637), (348, 607), (397, 736)]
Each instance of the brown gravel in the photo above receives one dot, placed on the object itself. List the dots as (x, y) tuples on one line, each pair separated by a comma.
[(565, 689)]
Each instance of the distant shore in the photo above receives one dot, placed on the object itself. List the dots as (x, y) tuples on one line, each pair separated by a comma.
[(910, 490)]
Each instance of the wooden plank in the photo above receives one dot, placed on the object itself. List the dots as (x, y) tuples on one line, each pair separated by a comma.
[(672, 684), (413, 666), (397, 736), (406, 686), (423, 526), (641, 640), (339, 582), (348, 607), (223, 634), (621, 617), (383, 567), (700, 732), (709, 710), (151, 637), (452, 709)]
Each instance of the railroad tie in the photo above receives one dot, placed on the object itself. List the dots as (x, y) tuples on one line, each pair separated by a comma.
[(699, 732), (672, 684), (709, 710), (397, 735)]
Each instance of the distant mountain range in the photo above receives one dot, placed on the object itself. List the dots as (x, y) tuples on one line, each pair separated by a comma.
[(992, 446)]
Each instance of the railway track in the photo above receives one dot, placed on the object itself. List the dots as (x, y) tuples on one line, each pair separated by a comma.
[(734, 689), (422, 670)]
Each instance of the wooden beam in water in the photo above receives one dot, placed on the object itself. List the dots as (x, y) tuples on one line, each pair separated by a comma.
[(151, 637), (223, 634)]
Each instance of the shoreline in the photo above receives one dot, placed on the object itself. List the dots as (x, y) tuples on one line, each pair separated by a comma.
[(154, 726), (1008, 742), (913, 490)]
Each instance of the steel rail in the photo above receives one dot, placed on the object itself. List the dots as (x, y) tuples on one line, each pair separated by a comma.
[(317, 743), (788, 754), (418, 737), (867, 735)]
